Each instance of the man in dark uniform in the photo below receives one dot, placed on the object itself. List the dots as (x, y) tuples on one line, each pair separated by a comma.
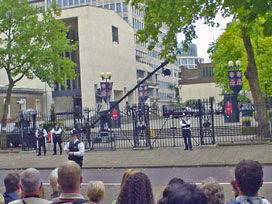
[(56, 133), (186, 131), (75, 148), (41, 134)]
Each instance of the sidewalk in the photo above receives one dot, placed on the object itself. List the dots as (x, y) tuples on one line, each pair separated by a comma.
[(163, 157)]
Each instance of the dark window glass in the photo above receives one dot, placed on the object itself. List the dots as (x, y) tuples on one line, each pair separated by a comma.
[(70, 2), (76, 2), (64, 2), (106, 6), (68, 82), (59, 3), (115, 34)]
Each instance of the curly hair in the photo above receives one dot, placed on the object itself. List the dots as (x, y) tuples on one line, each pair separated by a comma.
[(126, 175), (137, 190), (249, 175), (213, 191)]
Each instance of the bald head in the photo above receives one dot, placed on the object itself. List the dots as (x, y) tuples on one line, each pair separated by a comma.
[(69, 176)]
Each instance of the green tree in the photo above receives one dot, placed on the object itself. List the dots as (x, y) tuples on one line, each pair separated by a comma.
[(230, 46), (181, 16), (32, 46)]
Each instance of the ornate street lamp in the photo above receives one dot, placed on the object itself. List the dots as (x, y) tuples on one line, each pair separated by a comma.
[(235, 84), (106, 86)]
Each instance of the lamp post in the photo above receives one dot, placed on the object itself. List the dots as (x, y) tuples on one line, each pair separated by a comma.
[(106, 86), (20, 103), (235, 84)]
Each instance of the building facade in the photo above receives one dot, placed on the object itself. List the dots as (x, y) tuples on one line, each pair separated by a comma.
[(199, 83), (146, 61), (105, 44)]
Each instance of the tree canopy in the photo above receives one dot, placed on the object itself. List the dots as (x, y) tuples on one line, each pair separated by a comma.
[(32, 46), (180, 16), (230, 46)]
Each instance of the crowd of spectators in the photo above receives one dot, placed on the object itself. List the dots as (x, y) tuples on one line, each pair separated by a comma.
[(136, 188)]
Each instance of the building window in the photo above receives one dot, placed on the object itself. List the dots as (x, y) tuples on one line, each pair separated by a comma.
[(112, 7), (38, 105), (106, 6), (140, 74), (125, 8), (59, 3), (64, 2), (126, 19), (118, 8), (115, 34)]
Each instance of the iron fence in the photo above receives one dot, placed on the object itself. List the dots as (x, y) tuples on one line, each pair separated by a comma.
[(141, 126)]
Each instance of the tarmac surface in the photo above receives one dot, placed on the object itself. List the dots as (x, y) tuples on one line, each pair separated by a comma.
[(201, 156)]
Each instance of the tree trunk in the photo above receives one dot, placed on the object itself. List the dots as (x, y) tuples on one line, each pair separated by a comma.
[(3, 139), (252, 77)]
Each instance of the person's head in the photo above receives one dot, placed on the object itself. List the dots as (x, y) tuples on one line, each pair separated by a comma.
[(126, 175), (74, 134), (96, 191), (41, 126), (69, 177), (184, 116), (53, 179), (57, 125), (137, 189), (186, 194), (176, 180), (11, 182), (213, 191), (31, 181), (173, 185), (248, 177)]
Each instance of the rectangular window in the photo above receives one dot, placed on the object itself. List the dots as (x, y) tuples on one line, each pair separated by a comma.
[(115, 34), (183, 61), (38, 105), (68, 82), (112, 7), (106, 6), (190, 61), (126, 19), (59, 3), (82, 1), (118, 7), (71, 2), (125, 8), (76, 2), (65, 3), (56, 86)]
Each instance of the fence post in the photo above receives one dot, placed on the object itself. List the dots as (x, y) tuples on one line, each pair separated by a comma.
[(200, 121), (212, 115)]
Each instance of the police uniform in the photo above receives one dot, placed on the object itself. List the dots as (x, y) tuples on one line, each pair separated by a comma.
[(77, 147), (56, 133), (41, 135), (186, 132)]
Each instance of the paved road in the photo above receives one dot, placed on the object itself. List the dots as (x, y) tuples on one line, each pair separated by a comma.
[(159, 178)]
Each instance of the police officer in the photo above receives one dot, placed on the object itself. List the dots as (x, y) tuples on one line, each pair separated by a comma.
[(75, 148), (56, 133), (41, 135), (185, 124)]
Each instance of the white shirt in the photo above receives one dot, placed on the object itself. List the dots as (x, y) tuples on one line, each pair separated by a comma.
[(187, 122), (81, 148)]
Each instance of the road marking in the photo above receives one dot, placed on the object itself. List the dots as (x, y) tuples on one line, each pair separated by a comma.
[(118, 184)]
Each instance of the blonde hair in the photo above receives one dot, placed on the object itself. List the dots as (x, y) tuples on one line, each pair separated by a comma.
[(126, 175), (2, 199), (53, 179), (96, 191), (213, 191)]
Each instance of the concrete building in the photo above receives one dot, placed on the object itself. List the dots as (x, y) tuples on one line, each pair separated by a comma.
[(146, 61), (199, 83), (105, 44)]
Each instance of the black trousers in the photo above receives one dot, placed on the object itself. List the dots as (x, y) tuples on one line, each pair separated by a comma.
[(57, 140), (41, 143), (186, 133)]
